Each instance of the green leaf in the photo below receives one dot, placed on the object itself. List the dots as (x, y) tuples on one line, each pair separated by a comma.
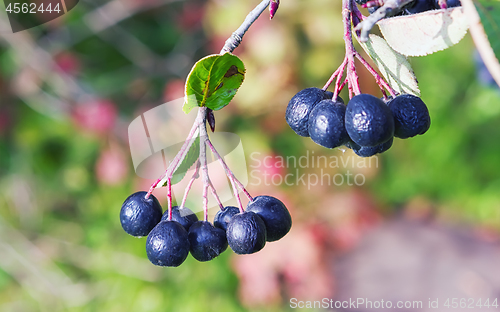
[(489, 12), (213, 81), (392, 65)]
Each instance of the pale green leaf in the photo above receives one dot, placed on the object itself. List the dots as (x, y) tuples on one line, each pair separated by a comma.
[(425, 33), (392, 65)]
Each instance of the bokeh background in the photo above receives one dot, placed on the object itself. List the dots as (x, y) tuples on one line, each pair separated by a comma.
[(424, 225)]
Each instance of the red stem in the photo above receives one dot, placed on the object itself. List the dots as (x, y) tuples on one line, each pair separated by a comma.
[(349, 49), (214, 193), (190, 184), (339, 72), (228, 171), (169, 199), (180, 155), (339, 77)]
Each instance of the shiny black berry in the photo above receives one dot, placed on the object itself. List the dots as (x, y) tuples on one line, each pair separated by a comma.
[(418, 6), (329, 96), (246, 233), (274, 214), (206, 241), (184, 216), (139, 215), (299, 108), (167, 244), (222, 217), (368, 120), (452, 3), (411, 116), (326, 124)]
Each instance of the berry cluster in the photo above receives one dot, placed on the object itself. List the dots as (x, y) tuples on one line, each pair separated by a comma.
[(414, 7), (172, 235), (366, 124)]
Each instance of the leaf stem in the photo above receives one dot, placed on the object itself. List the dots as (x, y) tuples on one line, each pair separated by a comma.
[(234, 41)]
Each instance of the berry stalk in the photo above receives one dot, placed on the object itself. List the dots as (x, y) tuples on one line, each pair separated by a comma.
[(349, 48), (338, 88), (169, 198), (338, 73), (214, 193), (195, 176), (228, 171), (180, 155), (231, 177)]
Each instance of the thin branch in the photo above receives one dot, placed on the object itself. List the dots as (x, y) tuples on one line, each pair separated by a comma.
[(203, 160), (234, 41), (389, 7)]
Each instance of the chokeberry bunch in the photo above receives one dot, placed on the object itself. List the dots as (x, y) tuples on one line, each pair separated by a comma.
[(366, 124), (172, 235)]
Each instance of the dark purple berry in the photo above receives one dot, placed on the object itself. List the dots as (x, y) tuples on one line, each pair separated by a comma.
[(326, 124), (418, 6), (411, 116), (222, 217), (184, 216), (368, 151), (206, 241), (453, 3), (246, 233), (274, 214), (299, 108), (167, 244), (329, 96), (368, 120), (139, 215)]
